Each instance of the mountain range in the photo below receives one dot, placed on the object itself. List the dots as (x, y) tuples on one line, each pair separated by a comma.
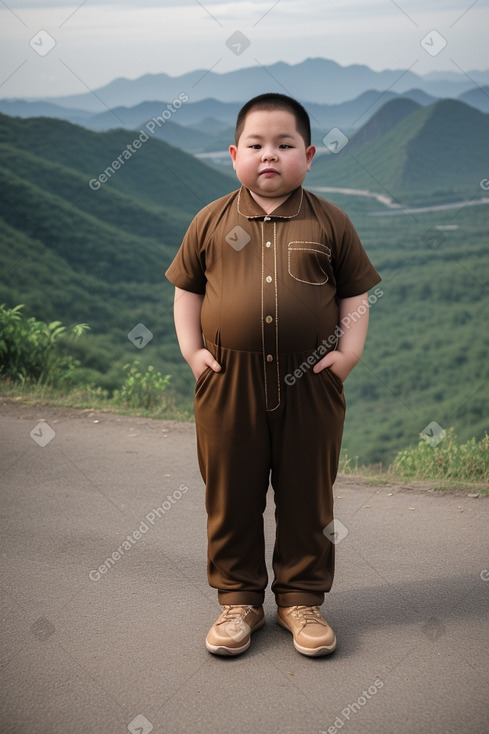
[(314, 80), (203, 126), (335, 97), (208, 126)]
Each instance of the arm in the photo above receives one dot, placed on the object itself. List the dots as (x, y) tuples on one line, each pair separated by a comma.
[(186, 310), (353, 322)]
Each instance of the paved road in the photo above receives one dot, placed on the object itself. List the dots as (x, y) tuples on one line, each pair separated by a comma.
[(96, 645), (394, 209)]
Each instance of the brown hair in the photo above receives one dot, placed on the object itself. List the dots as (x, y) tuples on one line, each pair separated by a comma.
[(273, 101)]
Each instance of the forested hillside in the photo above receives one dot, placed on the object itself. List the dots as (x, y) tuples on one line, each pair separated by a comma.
[(81, 252), (97, 255), (427, 353), (436, 153)]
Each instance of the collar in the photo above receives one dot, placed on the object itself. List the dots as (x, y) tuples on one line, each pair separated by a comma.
[(289, 209)]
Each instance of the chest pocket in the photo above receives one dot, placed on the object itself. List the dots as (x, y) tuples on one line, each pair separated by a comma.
[(309, 262)]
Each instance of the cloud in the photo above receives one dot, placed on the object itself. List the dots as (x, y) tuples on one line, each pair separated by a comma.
[(104, 39)]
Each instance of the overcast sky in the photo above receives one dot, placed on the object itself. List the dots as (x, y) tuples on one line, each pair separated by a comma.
[(87, 44)]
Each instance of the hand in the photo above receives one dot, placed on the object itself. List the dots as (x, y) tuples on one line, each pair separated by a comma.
[(200, 360), (341, 364)]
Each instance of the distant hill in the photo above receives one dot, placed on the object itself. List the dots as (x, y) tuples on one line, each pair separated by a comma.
[(189, 114), (152, 195), (22, 108), (210, 114), (73, 253), (478, 98), (185, 137), (209, 125), (436, 152), (212, 133), (383, 121), (154, 172), (319, 80)]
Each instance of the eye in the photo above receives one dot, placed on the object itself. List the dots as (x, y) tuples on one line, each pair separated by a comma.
[(255, 146), (285, 145)]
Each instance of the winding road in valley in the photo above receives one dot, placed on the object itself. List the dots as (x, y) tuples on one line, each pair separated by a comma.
[(395, 208)]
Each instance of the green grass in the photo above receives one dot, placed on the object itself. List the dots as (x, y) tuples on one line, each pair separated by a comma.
[(450, 460), (89, 397), (449, 465)]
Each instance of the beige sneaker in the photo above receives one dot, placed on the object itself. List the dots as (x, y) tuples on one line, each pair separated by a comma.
[(231, 632), (312, 634)]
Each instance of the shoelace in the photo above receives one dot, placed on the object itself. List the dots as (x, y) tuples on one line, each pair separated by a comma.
[(234, 611), (308, 614)]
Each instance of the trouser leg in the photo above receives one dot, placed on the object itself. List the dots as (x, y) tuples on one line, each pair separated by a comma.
[(234, 457), (306, 442)]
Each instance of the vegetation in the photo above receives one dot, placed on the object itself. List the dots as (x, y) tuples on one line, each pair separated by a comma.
[(426, 357), (155, 175), (36, 357), (467, 462), (35, 352), (417, 160), (78, 256), (142, 389)]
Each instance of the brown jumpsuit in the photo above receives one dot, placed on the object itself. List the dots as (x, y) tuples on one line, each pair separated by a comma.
[(270, 310)]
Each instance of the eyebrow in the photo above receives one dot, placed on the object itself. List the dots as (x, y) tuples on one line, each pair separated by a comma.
[(256, 136)]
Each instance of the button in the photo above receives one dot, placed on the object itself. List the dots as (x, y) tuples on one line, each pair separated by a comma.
[(269, 357), (269, 278), (269, 319), (268, 244), (267, 219)]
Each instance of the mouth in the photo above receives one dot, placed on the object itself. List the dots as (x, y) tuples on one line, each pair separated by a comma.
[(269, 172)]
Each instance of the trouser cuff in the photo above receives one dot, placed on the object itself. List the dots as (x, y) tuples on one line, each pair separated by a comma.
[(299, 598), (254, 598)]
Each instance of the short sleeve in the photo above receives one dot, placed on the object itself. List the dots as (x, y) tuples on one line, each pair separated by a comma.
[(187, 271), (354, 272)]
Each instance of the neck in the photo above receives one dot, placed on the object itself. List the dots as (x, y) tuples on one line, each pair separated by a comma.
[(268, 204)]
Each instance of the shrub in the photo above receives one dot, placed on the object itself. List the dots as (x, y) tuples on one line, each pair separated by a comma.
[(142, 389), (34, 351), (447, 460)]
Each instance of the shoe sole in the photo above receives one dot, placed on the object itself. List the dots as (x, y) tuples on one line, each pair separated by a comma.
[(231, 651), (312, 652)]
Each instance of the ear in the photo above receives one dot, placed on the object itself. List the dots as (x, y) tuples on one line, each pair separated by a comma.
[(310, 153), (233, 152)]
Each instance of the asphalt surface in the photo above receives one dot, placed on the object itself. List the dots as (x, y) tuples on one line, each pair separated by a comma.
[(93, 644)]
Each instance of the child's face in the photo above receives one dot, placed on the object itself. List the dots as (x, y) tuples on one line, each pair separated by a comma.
[(271, 158)]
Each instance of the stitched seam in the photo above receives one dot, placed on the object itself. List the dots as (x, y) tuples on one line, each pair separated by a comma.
[(308, 249), (322, 269), (276, 312), (258, 216), (320, 246), (262, 312)]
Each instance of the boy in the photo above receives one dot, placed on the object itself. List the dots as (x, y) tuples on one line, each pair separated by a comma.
[(263, 278)]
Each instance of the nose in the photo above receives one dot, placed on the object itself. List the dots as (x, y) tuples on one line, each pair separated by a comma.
[(269, 154)]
